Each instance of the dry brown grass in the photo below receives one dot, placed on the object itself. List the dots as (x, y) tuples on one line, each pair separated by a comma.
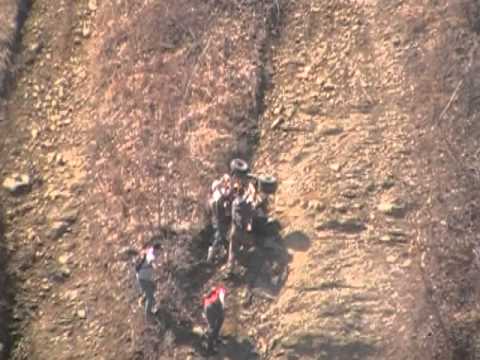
[(449, 130), (9, 10), (8, 30), (179, 84)]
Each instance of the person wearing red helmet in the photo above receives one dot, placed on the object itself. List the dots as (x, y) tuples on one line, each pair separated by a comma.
[(214, 313)]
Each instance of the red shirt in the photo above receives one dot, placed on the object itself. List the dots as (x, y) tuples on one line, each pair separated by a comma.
[(213, 296)]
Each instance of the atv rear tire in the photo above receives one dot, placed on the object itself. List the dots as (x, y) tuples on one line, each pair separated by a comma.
[(267, 184), (239, 167)]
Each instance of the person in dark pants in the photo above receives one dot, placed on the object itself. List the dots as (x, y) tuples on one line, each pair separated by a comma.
[(220, 201), (241, 222), (145, 277), (214, 313)]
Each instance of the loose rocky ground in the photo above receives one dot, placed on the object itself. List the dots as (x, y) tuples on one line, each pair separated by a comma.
[(122, 115)]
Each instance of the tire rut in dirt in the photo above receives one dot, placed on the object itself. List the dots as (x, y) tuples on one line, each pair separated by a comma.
[(10, 42)]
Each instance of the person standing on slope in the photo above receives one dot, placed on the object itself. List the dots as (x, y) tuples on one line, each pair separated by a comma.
[(241, 222), (145, 277), (214, 313), (220, 204)]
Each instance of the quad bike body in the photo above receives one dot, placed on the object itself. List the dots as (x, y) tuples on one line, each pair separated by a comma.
[(258, 189)]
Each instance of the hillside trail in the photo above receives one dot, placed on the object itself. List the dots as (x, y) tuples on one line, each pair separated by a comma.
[(336, 136)]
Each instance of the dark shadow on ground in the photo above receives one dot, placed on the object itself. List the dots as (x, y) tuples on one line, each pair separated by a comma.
[(170, 330), (297, 240), (234, 348), (7, 292), (329, 285), (266, 263), (317, 346)]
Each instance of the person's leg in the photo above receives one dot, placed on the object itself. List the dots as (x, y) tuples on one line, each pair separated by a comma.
[(232, 247), (218, 326), (210, 315), (235, 242), (217, 240), (148, 288)]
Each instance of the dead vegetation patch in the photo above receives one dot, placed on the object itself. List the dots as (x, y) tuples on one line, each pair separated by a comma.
[(178, 87), (448, 129)]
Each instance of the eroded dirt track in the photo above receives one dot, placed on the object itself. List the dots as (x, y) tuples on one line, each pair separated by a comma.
[(123, 114), (336, 135)]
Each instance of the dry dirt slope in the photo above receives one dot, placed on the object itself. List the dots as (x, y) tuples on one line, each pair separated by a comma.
[(107, 149), (336, 131), (352, 131), (336, 134)]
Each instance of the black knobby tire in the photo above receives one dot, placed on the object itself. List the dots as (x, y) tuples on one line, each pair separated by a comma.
[(267, 184), (239, 167)]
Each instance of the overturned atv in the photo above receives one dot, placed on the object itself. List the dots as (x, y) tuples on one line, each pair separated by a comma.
[(265, 184), (258, 188)]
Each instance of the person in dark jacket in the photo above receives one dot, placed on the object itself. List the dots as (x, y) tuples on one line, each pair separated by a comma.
[(145, 276), (220, 204), (214, 313), (241, 222)]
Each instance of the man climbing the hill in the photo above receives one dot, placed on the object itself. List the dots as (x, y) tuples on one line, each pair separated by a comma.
[(214, 313), (241, 222), (145, 277), (219, 204)]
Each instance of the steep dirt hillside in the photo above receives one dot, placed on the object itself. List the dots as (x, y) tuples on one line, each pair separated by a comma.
[(123, 113), (336, 135), (121, 116), (356, 87)]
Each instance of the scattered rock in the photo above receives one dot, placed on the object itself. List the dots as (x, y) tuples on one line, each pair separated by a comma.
[(315, 206), (276, 124), (335, 167), (328, 86), (293, 202), (63, 259), (86, 31), (391, 259), (60, 275), (388, 183), (312, 109), (385, 238), (17, 183), (34, 133), (72, 295), (394, 209), (340, 207), (26, 260), (289, 341), (58, 229), (330, 130), (406, 263), (371, 187), (345, 225), (82, 314), (69, 216)]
